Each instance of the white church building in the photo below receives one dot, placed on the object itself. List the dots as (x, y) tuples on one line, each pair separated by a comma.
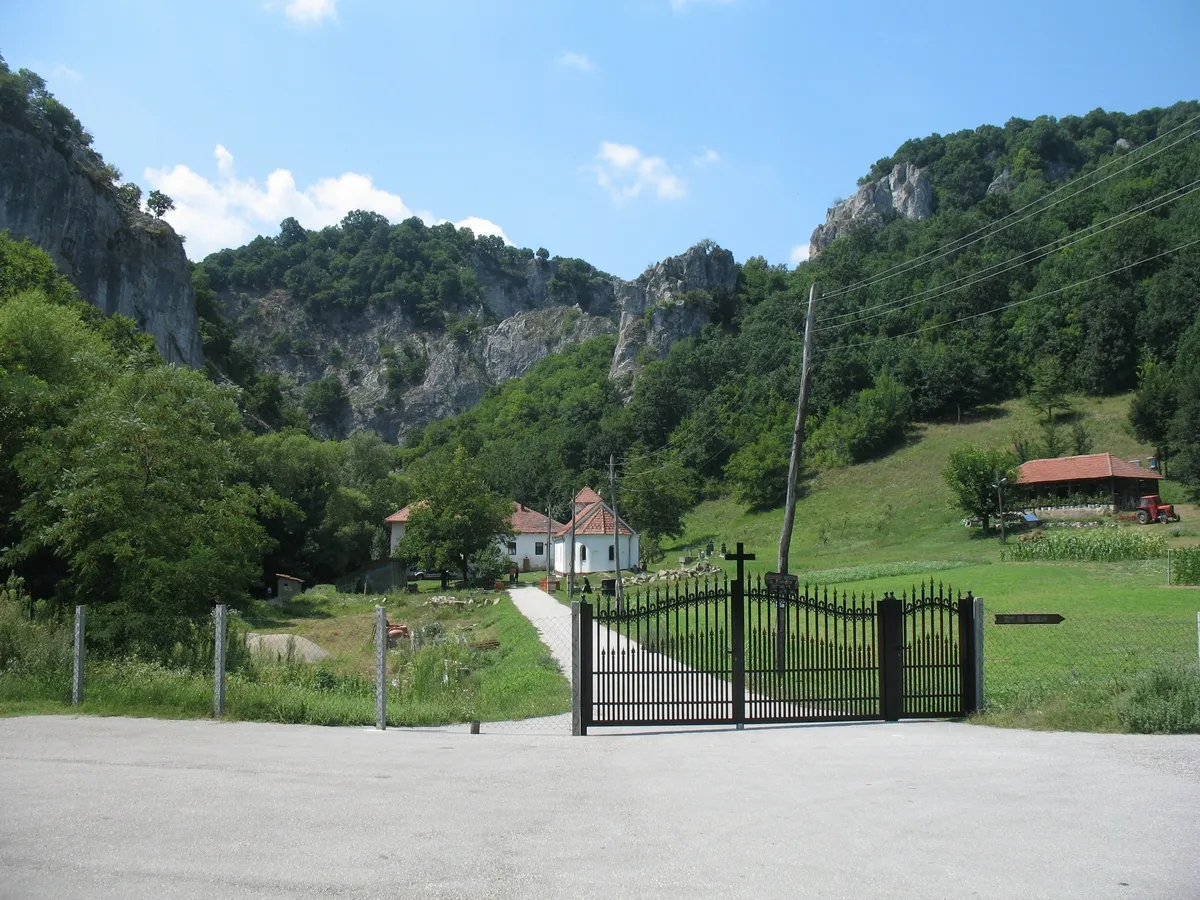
[(592, 538)]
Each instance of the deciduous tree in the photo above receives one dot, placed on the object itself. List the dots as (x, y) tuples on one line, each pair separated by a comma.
[(455, 516), (971, 474)]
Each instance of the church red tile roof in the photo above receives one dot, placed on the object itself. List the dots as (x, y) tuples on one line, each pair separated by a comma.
[(593, 516), (587, 497), (1081, 468), (529, 521), (402, 516)]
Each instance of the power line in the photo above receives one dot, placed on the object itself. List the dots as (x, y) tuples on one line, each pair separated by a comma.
[(1015, 303), (932, 255), (1009, 265)]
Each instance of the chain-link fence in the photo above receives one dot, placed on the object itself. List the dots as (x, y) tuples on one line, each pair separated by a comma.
[(1085, 661), (469, 659)]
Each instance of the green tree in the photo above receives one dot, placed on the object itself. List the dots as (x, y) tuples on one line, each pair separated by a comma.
[(142, 495), (656, 491), (1048, 391), (758, 471), (971, 474), (130, 195), (1081, 438), (159, 203), (1152, 409), (455, 516), (1054, 442), (1184, 433)]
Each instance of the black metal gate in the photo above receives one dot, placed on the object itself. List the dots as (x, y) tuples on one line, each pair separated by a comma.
[(731, 652)]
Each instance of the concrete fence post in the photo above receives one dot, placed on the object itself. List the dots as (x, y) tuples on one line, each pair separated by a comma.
[(979, 614), (380, 668), (576, 674), (77, 667), (219, 660)]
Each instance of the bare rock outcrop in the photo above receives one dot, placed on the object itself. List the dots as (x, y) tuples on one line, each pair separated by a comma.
[(121, 260), (905, 192)]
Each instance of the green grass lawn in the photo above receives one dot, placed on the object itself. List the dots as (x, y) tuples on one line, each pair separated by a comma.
[(483, 661)]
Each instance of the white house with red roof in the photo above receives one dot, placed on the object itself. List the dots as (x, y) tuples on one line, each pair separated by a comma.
[(527, 547), (594, 546)]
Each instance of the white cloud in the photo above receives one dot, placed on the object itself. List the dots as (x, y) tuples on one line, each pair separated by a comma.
[(707, 158), (230, 211), (681, 5), (60, 72), (625, 172), (572, 60), (799, 254), (306, 12)]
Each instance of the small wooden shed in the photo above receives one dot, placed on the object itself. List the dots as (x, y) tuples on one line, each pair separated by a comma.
[(286, 586)]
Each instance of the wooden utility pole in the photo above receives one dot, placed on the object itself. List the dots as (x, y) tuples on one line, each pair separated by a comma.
[(571, 567), (612, 488), (789, 513)]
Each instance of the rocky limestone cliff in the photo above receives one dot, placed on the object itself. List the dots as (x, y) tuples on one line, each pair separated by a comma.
[(905, 192), (659, 307), (123, 262), (646, 315)]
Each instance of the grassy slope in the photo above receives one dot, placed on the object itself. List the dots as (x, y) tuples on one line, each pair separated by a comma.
[(897, 508)]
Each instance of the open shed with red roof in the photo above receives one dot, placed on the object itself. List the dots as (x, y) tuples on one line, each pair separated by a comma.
[(1097, 477)]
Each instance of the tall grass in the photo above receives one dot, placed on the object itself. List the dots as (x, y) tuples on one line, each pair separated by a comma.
[(1102, 545), (1185, 566), (1164, 700), (35, 651)]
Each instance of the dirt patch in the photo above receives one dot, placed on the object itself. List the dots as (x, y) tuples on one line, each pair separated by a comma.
[(285, 646)]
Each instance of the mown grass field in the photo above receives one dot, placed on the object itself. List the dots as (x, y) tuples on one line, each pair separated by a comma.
[(483, 661)]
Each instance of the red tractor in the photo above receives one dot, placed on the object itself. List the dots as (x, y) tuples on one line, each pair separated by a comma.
[(1152, 509)]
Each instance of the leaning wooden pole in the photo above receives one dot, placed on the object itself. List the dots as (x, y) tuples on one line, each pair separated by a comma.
[(789, 512), (612, 489)]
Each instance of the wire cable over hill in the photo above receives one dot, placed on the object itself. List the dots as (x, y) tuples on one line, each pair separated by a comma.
[(993, 228)]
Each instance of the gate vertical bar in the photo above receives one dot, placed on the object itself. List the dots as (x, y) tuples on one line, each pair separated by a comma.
[(891, 648), (586, 666), (966, 646), (576, 674), (77, 667), (219, 661), (737, 602), (978, 662), (380, 668)]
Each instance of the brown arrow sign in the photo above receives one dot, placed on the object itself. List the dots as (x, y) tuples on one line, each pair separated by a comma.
[(1028, 619)]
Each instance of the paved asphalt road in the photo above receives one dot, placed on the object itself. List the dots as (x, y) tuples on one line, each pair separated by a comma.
[(132, 809)]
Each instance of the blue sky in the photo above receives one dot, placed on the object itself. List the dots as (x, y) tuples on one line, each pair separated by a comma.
[(619, 131)]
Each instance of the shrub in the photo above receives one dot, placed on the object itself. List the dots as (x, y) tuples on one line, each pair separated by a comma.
[(1164, 700), (1112, 544)]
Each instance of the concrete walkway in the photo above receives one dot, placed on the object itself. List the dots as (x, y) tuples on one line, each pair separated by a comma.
[(551, 619)]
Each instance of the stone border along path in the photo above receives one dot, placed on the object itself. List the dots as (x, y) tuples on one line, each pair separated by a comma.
[(552, 620)]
